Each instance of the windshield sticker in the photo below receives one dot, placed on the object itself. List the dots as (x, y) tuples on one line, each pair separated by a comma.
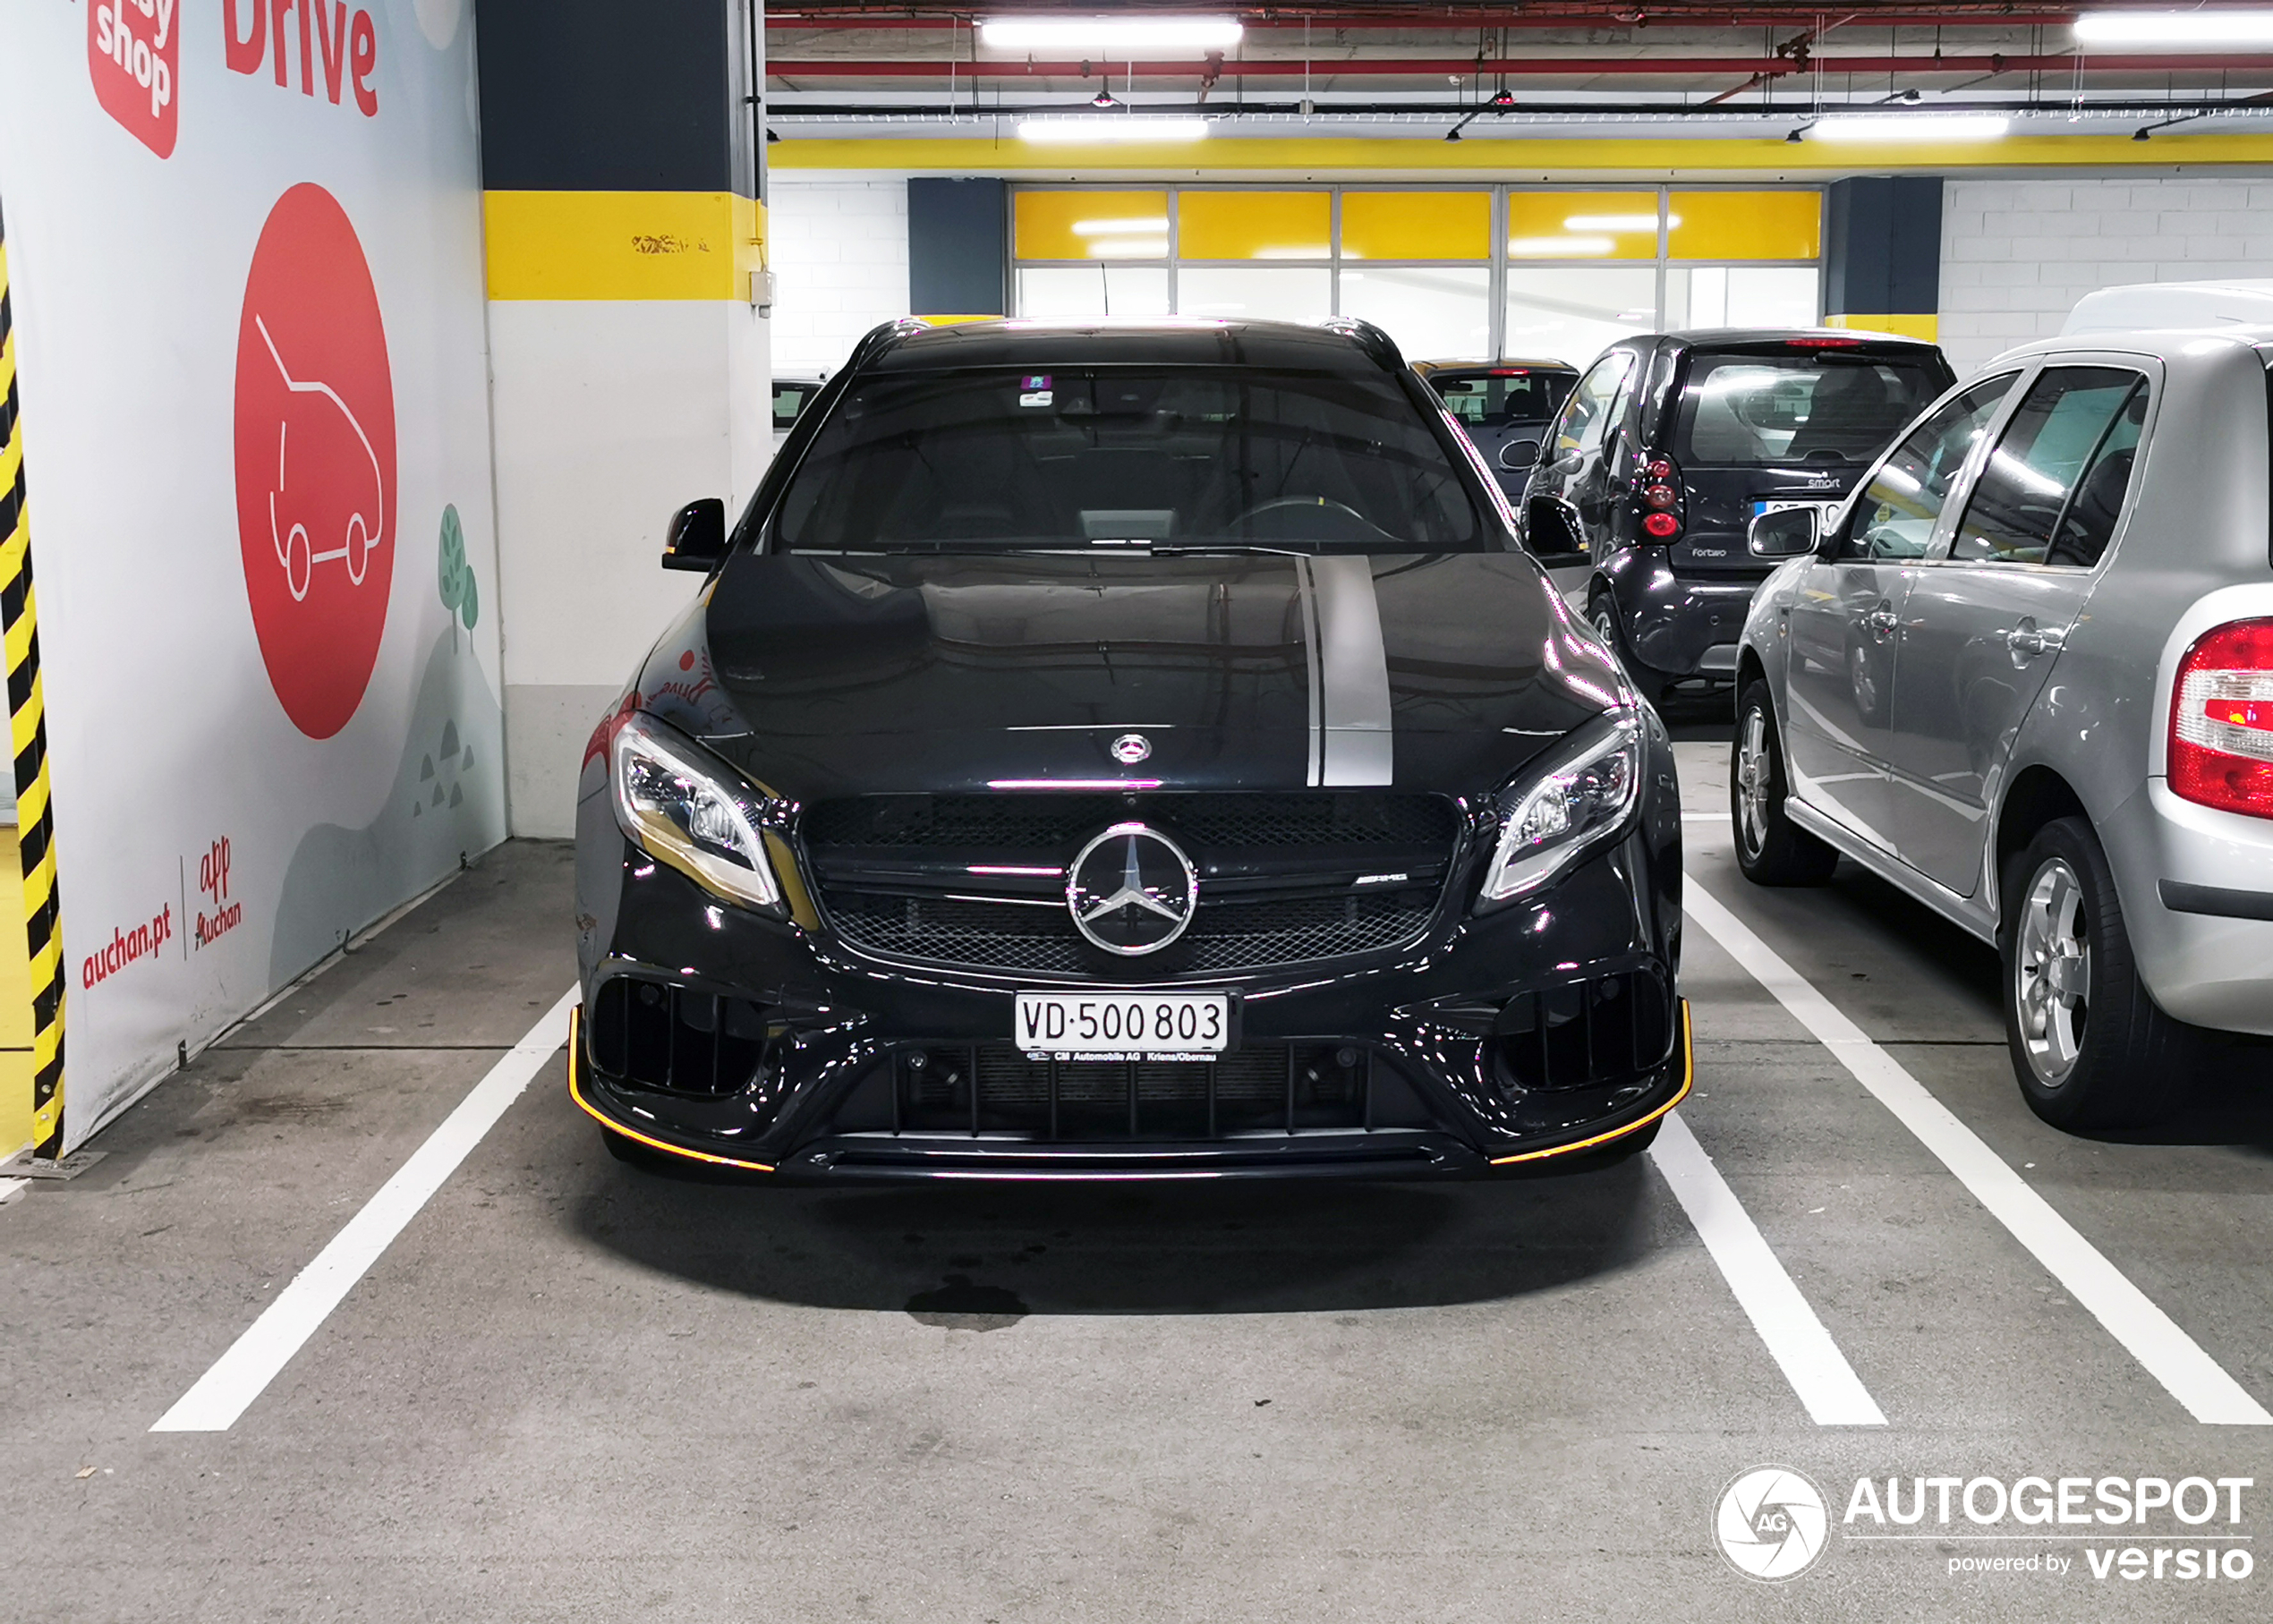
[(1036, 398)]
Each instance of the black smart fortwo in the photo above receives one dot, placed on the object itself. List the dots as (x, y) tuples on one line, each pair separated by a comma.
[(1126, 750)]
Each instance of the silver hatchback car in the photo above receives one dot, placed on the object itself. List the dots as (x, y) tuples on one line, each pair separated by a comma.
[(2024, 672)]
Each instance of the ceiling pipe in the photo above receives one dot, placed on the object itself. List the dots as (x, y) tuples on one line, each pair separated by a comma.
[(1290, 19), (1533, 67)]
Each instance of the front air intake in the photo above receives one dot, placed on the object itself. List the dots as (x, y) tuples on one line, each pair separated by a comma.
[(1595, 1032), (657, 1034)]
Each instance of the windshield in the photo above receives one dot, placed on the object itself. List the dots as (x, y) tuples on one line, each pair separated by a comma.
[(1494, 400), (1805, 407), (1128, 457)]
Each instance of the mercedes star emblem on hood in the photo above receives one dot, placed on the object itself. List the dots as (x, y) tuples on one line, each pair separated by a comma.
[(1131, 890)]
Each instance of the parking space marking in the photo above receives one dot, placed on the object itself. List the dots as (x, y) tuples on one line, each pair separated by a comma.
[(242, 1373), (2197, 1381), (1796, 1340)]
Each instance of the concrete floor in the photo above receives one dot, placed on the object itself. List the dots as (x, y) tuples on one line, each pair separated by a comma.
[(573, 1390)]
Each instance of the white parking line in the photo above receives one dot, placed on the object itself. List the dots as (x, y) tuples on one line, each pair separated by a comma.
[(1796, 1340), (2197, 1381), (242, 1373)]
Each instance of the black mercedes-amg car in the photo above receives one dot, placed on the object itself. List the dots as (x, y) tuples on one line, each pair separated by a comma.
[(1107, 750)]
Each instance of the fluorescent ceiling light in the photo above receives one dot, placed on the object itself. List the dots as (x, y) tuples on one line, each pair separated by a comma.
[(1129, 248), (1909, 127), (1560, 248), (1617, 222), (1110, 36), (1102, 228), (1111, 127), (2176, 30)]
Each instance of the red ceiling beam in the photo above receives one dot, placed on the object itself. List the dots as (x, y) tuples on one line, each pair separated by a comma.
[(1291, 21), (1523, 67)]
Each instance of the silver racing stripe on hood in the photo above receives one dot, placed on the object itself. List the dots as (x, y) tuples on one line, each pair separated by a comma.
[(1351, 742)]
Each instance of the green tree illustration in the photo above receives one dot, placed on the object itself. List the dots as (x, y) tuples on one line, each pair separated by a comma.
[(460, 594)]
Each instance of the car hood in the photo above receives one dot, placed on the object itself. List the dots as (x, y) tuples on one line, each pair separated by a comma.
[(819, 674)]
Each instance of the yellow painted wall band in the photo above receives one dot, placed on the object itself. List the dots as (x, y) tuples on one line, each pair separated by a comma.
[(1482, 155), (590, 245), (1927, 327)]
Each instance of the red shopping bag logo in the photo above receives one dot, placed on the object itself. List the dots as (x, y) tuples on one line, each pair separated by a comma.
[(133, 50), (315, 460)]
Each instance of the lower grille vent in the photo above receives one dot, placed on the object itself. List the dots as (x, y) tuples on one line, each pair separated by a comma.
[(991, 1088), (1605, 1030), (658, 1035)]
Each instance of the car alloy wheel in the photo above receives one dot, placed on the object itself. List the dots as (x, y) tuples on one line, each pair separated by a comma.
[(1753, 772), (2052, 972)]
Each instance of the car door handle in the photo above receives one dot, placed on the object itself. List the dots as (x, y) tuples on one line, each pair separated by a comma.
[(2026, 642), (1882, 622)]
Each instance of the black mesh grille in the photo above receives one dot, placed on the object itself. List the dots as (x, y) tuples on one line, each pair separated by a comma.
[(1276, 875), (1225, 936), (1043, 824)]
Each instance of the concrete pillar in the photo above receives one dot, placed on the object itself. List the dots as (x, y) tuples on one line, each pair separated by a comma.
[(622, 168), (1883, 254)]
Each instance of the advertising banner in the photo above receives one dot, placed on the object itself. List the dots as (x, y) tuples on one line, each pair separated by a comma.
[(245, 243)]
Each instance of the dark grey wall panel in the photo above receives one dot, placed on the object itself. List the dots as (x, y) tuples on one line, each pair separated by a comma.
[(604, 95), (956, 257), (1883, 251)]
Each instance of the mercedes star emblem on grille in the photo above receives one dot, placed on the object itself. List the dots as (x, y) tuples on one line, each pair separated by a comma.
[(1131, 890), (1131, 748)]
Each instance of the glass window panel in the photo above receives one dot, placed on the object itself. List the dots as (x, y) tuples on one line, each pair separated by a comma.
[(1416, 226), (1764, 404), (1582, 225), (2073, 417), (1435, 313), (1588, 414), (1741, 296), (1744, 225), (1895, 515), (1270, 293), (1253, 225), (1571, 315), (1093, 290), (1090, 224)]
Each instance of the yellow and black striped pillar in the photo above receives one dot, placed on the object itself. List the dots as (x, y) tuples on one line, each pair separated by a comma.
[(27, 712)]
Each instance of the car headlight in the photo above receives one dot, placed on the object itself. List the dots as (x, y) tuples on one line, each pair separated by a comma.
[(1580, 796), (693, 816)]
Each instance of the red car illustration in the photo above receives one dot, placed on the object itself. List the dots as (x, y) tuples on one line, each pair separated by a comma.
[(347, 537)]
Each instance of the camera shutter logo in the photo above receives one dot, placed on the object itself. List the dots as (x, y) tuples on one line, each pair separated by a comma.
[(1771, 1524), (1131, 890)]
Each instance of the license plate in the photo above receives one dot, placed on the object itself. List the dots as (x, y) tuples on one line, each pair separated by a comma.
[(1764, 507), (1122, 1025)]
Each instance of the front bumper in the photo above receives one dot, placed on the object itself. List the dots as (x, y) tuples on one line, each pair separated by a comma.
[(1432, 1038)]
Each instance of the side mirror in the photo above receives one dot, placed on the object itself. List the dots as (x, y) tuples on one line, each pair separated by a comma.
[(1519, 454), (697, 537), (1785, 533)]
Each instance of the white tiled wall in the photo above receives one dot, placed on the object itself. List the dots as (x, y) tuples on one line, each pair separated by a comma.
[(2017, 254), (839, 258)]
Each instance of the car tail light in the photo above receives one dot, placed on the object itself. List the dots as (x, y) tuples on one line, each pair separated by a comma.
[(1661, 498), (2221, 721), (1822, 344)]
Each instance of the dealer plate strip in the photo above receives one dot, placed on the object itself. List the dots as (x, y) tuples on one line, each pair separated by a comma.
[(2197, 1381)]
